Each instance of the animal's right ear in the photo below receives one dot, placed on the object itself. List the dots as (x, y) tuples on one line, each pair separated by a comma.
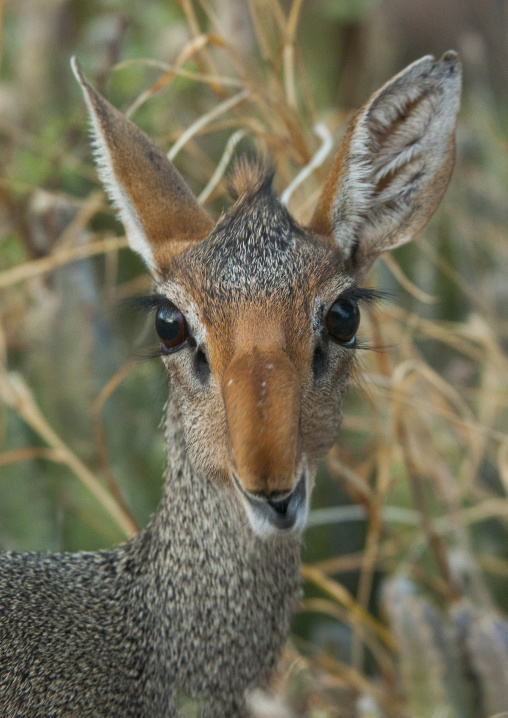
[(393, 164), (158, 210)]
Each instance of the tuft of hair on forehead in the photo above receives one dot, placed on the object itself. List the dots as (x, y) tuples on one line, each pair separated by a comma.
[(251, 177)]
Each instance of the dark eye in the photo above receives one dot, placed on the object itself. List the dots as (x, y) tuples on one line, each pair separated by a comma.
[(171, 328), (343, 320)]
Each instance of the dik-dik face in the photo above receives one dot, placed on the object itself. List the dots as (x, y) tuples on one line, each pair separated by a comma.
[(258, 316), (258, 327)]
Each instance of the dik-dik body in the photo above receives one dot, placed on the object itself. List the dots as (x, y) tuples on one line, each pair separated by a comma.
[(257, 318)]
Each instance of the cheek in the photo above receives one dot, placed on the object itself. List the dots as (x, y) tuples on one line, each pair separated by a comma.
[(205, 428), (321, 412)]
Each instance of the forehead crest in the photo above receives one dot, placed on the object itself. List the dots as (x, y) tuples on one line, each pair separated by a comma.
[(250, 178), (256, 247)]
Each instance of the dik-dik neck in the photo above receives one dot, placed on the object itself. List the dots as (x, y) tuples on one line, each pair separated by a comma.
[(202, 507), (228, 594)]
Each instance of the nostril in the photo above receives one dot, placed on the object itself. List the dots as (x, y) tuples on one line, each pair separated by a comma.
[(201, 366), (280, 506), (282, 510)]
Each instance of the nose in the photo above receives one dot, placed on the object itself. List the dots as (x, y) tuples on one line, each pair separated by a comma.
[(280, 505), (261, 391), (280, 513)]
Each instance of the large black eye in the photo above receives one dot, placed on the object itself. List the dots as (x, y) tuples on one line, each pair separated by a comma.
[(343, 320), (171, 328)]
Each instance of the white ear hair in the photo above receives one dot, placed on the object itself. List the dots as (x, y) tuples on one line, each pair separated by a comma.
[(160, 214), (394, 162), (136, 236)]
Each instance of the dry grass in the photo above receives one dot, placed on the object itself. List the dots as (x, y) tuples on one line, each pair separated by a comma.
[(409, 621)]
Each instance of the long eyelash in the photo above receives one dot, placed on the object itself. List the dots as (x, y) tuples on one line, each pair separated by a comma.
[(152, 302), (149, 303), (365, 347), (364, 295), (369, 297), (153, 352)]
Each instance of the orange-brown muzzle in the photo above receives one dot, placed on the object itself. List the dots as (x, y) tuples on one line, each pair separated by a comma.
[(262, 396)]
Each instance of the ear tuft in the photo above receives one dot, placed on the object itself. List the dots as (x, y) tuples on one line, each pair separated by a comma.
[(394, 162)]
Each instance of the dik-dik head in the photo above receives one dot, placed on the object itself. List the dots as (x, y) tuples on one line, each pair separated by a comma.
[(257, 315)]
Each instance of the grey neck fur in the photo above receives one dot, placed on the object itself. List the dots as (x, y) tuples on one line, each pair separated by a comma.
[(194, 607)]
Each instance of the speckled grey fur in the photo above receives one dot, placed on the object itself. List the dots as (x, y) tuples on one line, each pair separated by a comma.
[(198, 605), (195, 605)]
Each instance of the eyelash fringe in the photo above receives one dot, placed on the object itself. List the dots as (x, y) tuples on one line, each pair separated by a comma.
[(149, 303), (152, 302), (364, 295)]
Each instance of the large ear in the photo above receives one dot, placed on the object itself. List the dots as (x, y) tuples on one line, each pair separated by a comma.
[(158, 210), (394, 162)]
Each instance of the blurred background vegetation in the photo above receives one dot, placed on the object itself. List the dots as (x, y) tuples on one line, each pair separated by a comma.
[(404, 611)]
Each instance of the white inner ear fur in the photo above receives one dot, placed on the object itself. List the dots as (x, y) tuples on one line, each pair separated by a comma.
[(126, 213), (400, 143)]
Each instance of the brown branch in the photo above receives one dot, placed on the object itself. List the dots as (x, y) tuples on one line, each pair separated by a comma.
[(15, 393), (434, 539), (28, 270), (100, 437)]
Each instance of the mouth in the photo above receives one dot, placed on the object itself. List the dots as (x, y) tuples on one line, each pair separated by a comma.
[(276, 516)]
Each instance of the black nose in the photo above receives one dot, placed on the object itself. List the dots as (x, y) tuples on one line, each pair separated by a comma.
[(281, 512), (280, 505)]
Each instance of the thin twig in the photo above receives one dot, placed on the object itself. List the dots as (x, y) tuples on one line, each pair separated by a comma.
[(196, 31), (318, 158), (344, 598), (29, 454), (405, 282), (28, 270), (180, 72), (434, 539), (375, 528), (191, 48), (206, 119), (330, 608), (233, 141), (289, 52), (100, 436)]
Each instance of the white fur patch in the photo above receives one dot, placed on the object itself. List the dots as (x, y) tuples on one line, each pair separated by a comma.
[(126, 213), (400, 144)]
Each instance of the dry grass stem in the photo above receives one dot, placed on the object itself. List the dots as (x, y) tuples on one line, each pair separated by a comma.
[(222, 166), (405, 282), (198, 125), (35, 268), (344, 598), (101, 443), (17, 396)]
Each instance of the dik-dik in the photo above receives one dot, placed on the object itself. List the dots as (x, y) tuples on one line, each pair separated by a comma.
[(257, 318)]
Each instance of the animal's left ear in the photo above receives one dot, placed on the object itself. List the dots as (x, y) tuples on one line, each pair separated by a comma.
[(394, 163)]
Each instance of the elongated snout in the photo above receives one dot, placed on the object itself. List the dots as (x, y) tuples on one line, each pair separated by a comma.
[(261, 391)]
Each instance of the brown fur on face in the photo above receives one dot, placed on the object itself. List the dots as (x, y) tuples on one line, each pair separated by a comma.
[(261, 391), (256, 288), (261, 285)]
